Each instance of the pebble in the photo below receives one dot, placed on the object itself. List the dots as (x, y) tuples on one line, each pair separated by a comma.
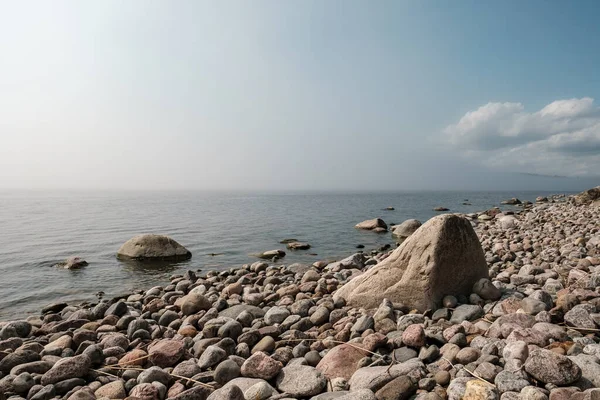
[(300, 381), (260, 365), (414, 336), (549, 367), (400, 388), (211, 357)]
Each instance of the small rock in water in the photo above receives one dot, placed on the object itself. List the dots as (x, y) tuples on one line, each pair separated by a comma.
[(406, 228), (270, 254), (286, 241), (372, 225), (73, 263), (298, 246)]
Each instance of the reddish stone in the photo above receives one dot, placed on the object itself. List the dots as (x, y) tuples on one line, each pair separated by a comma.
[(341, 361), (166, 353), (374, 341), (136, 357), (414, 336), (260, 365), (145, 391), (176, 389)]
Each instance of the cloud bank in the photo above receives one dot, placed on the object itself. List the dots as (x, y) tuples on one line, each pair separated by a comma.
[(563, 138)]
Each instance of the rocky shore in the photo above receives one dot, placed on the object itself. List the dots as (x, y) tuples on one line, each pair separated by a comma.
[(528, 330)]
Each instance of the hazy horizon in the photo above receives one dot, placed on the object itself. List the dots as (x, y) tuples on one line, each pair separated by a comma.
[(299, 96)]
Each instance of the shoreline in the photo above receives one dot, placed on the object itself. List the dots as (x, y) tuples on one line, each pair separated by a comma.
[(263, 327), (328, 229)]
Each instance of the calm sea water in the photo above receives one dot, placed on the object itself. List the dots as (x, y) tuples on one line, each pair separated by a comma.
[(38, 229)]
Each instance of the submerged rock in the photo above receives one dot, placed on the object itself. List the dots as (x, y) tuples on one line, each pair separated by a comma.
[(298, 246), (72, 263), (513, 201), (269, 254), (372, 224)]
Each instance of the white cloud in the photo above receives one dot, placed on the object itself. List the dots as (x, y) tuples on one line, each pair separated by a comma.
[(562, 138)]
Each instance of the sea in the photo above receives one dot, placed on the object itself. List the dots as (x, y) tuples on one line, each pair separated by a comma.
[(38, 229)]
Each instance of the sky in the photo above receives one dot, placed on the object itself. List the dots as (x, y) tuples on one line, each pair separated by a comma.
[(299, 95)]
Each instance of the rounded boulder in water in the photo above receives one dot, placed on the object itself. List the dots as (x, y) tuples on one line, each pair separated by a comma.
[(153, 247)]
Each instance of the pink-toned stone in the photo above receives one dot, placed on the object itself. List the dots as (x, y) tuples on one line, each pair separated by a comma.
[(373, 341), (136, 357), (176, 389), (563, 393), (146, 391), (188, 331), (341, 362), (529, 336), (166, 353), (260, 365), (290, 290), (414, 336), (233, 288)]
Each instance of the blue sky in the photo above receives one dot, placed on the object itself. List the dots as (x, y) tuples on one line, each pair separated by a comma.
[(384, 95)]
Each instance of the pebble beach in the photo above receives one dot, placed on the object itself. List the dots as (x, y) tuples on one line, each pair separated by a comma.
[(528, 329)]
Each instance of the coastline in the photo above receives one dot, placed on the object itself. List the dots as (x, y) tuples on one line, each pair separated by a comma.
[(93, 226), (275, 331)]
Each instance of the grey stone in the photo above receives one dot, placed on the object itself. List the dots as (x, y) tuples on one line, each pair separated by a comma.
[(300, 381), (276, 315), (46, 393), (533, 306), (259, 391), (17, 358), (590, 369), (152, 374), (507, 381), (66, 368), (211, 357), (226, 371), (549, 367), (466, 312)]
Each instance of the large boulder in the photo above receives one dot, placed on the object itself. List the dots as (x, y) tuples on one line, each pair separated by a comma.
[(588, 196), (406, 228), (443, 257), (153, 247), (375, 224)]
